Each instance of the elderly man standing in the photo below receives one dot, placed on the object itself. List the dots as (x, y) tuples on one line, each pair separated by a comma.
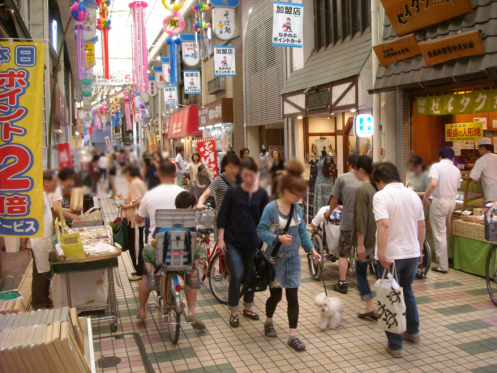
[(400, 219), (485, 169), (445, 180)]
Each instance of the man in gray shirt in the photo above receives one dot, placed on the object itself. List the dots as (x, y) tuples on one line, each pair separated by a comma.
[(344, 190)]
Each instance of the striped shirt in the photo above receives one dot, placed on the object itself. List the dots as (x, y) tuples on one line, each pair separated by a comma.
[(448, 176), (219, 186)]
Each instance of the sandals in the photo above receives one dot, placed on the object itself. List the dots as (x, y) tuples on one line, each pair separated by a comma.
[(269, 330), (296, 344), (368, 315), (250, 314), (234, 321)]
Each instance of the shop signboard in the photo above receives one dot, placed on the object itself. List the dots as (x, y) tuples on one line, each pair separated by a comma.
[(397, 50), (191, 82), (363, 125), (452, 47), (151, 141), (90, 24), (64, 155), (468, 131), (160, 80), (115, 79), (90, 54), (288, 24), (86, 101), (166, 71), (217, 112), (223, 22), (457, 103), (170, 95), (485, 100), (208, 156), (224, 61), (190, 58), (411, 15), (152, 87), (21, 185)]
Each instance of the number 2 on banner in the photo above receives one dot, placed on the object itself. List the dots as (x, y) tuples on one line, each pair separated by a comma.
[(15, 161)]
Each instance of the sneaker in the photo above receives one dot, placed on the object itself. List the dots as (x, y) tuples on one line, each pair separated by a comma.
[(436, 269), (269, 330), (296, 344), (395, 353), (414, 338), (341, 287), (135, 278), (195, 321)]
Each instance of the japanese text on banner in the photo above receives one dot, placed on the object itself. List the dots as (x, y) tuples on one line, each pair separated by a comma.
[(21, 178), (224, 61), (463, 131), (208, 156), (288, 24)]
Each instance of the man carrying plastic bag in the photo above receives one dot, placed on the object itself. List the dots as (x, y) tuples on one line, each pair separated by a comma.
[(399, 216)]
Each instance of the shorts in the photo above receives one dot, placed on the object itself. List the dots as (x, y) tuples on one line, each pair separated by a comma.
[(148, 254), (344, 246)]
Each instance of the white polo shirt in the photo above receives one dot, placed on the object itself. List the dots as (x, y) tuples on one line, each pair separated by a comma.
[(403, 209), (485, 170), (180, 163), (448, 176)]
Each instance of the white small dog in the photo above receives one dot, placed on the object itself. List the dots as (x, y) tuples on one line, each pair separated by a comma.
[(330, 309)]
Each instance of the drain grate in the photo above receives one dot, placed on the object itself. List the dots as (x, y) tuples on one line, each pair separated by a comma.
[(108, 362)]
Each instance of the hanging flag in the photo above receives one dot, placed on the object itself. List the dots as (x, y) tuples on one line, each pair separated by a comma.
[(166, 70), (170, 95), (223, 22), (224, 61), (190, 58), (208, 157), (152, 87), (288, 24), (159, 78), (192, 82)]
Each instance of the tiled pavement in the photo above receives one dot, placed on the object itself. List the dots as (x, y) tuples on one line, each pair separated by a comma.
[(458, 326)]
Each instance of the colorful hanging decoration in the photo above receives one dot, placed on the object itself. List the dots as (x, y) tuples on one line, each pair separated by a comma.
[(79, 14), (174, 59), (143, 114), (127, 111), (175, 5), (140, 52), (96, 119), (103, 24), (174, 23), (202, 44), (104, 110)]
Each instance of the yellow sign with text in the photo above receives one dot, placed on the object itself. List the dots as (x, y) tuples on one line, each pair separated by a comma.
[(21, 168), (90, 54), (463, 131)]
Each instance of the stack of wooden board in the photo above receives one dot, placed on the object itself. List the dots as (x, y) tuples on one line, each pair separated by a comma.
[(48, 341)]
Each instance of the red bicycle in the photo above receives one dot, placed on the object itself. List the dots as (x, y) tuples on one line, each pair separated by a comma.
[(212, 263)]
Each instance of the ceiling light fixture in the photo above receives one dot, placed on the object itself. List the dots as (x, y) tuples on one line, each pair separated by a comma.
[(300, 117), (353, 110)]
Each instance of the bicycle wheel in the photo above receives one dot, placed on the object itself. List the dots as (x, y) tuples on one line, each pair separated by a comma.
[(491, 274), (172, 306), (219, 278), (316, 269), (424, 267)]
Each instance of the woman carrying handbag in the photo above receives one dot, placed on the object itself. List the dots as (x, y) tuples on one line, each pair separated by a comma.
[(283, 248)]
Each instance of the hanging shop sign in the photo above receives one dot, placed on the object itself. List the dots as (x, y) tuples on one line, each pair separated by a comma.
[(160, 82), (90, 54), (166, 71), (21, 185), (411, 15), (90, 24), (288, 24), (76, 141), (152, 87), (220, 111), (191, 82), (208, 156), (318, 100), (363, 125), (87, 87), (463, 103), (115, 79), (151, 141), (86, 102), (397, 50), (170, 95), (224, 61), (463, 131), (223, 22), (452, 47), (190, 58)]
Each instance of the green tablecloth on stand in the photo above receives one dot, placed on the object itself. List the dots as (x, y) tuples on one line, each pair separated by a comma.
[(470, 255)]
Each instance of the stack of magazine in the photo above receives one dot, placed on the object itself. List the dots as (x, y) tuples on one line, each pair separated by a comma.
[(48, 341)]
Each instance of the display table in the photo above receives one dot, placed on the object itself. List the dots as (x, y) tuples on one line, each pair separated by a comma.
[(470, 247)]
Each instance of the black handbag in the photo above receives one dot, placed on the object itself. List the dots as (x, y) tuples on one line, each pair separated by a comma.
[(258, 275)]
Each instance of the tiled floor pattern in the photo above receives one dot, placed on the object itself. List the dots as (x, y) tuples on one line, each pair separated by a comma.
[(458, 326)]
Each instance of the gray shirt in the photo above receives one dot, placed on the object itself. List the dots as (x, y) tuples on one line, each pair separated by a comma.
[(345, 189)]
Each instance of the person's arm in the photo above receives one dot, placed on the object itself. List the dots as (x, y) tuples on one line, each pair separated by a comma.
[(475, 174), (203, 198), (361, 221), (66, 212), (192, 179), (225, 211), (264, 225), (382, 237), (333, 205), (141, 212), (429, 192), (131, 205)]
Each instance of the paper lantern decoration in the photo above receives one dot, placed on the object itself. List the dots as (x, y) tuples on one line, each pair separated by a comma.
[(140, 52), (174, 59), (127, 111), (78, 12), (103, 24)]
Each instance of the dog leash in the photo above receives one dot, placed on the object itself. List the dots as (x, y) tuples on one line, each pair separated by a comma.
[(325, 291)]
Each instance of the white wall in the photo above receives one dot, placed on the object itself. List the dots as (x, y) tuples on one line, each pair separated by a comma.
[(301, 55)]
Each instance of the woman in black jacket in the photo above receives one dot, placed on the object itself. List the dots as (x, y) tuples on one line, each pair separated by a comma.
[(237, 221)]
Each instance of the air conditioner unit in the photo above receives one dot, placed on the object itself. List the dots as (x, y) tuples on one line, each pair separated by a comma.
[(217, 84)]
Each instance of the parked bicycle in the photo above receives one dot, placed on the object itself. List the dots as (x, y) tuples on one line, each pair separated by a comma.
[(491, 274)]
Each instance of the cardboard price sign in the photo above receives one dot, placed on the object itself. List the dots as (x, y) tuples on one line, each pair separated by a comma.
[(470, 131)]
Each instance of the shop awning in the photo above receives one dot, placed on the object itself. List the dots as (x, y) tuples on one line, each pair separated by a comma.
[(184, 123), (333, 64), (413, 72)]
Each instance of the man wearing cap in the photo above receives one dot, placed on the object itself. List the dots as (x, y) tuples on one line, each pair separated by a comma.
[(345, 190), (485, 169)]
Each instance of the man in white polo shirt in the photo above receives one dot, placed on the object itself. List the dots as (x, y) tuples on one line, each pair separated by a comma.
[(485, 169), (445, 180), (399, 215)]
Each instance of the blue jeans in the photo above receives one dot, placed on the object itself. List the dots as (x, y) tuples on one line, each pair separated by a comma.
[(406, 272), (237, 260), (361, 272)]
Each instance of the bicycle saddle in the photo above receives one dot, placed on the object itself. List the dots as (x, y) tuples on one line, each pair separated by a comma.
[(205, 230)]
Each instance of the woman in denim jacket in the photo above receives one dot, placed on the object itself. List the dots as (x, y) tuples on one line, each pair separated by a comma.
[(287, 261)]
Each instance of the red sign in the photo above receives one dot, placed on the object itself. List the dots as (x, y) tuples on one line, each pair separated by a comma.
[(208, 156), (64, 155), (184, 123)]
